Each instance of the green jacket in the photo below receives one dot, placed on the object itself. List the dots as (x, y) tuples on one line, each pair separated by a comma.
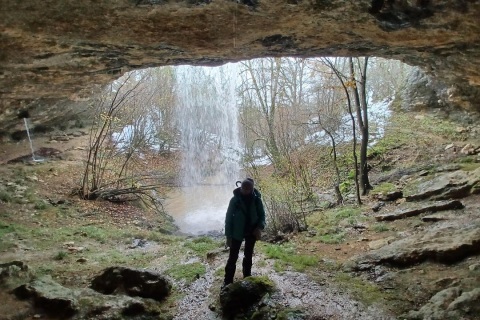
[(238, 216)]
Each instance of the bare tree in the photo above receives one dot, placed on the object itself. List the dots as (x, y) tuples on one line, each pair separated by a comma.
[(346, 84), (121, 132), (358, 85)]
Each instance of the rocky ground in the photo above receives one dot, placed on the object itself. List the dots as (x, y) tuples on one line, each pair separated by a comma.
[(412, 251)]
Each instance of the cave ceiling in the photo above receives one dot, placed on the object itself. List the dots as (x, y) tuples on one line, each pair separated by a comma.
[(52, 52)]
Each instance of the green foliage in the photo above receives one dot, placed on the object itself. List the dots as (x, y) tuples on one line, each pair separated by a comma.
[(345, 186), (202, 245), (134, 258), (187, 272), (365, 291), (440, 127), (284, 203), (470, 166), (380, 227), (5, 228), (286, 256), (468, 159), (335, 237), (40, 205), (96, 233), (60, 255), (5, 196), (334, 217), (330, 224)]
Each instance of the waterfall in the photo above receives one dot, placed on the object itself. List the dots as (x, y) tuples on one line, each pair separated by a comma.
[(207, 118), (25, 121)]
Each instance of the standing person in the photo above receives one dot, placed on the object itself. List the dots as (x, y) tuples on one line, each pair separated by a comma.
[(245, 219)]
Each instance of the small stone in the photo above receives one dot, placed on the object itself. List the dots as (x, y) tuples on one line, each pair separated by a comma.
[(378, 206), (377, 244), (449, 146), (69, 244), (467, 149), (474, 267), (37, 316), (82, 260), (444, 282), (423, 173)]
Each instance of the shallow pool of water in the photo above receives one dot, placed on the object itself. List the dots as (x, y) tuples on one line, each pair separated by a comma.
[(199, 209)]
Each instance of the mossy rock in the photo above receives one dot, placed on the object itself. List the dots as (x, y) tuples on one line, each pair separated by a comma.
[(241, 296)]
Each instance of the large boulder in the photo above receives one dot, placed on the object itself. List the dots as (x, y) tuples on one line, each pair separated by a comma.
[(445, 245), (61, 302), (443, 186), (12, 272), (240, 296), (50, 296), (450, 303), (133, 282)]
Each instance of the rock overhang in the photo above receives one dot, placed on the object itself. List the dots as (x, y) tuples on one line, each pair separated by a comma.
[(53, 52)]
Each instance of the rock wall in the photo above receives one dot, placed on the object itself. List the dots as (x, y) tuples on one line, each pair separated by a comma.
[(56, 51)]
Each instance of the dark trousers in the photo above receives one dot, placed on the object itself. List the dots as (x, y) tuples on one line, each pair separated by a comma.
[(233, 257)]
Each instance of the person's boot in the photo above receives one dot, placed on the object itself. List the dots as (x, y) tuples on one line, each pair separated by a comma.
[(247, 267), (224, 285), (229, 274)]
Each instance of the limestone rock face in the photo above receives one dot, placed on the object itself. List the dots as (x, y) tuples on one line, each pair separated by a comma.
[(445, 245), (53, 52)]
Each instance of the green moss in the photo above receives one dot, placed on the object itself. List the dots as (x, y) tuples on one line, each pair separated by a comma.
[(384, 188), (262, 281), (187, 272)]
